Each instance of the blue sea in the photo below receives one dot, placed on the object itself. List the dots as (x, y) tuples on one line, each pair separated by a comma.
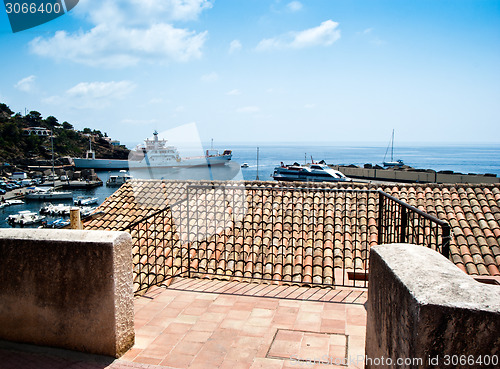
[(459, 158)]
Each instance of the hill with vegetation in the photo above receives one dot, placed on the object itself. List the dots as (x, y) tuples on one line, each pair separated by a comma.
[(19, 148)]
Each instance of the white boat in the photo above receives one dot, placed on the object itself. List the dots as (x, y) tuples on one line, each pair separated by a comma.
[(392, 162), (90, 162), (118, 180), (57, 223), (156, 153), (244, 165), (311, 173), (13, 202), (24, 217), (84, 201), (43, 194), (59, 209), (65, 210)]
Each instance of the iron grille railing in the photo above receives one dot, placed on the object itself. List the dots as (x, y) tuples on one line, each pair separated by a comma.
[(302, 235), (399, 222), (157, 250)]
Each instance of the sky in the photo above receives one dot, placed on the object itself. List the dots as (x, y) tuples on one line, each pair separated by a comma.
[(264, 71)]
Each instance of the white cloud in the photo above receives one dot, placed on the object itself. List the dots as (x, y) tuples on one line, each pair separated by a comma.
[(140, 12), (309, 106), (92, 95), (127, 32), (248, 109), (99, 90), (234, 46), (294, 6), (323, 35), (234, 92), (370, 36), (210, 77), (26, 84)]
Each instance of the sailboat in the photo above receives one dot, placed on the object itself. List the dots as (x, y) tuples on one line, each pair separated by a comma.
[(392, 163), (44, 194)]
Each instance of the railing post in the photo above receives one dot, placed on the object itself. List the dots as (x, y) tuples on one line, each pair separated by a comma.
[(403, 225), (445, 247), (188, 234), (380, 218)]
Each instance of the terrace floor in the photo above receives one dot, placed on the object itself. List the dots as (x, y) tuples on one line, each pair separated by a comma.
[(219, 324)]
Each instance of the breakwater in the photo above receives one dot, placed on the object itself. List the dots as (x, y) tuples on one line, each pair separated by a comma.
[(415, 175)]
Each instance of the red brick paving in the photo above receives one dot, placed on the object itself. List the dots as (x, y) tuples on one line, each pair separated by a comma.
[(239, 325)]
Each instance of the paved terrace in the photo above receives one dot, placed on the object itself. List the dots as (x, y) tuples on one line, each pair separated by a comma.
[(197, 323)]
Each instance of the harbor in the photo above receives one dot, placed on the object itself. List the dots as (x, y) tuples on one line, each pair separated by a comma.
[(244, 165), (100, 192)]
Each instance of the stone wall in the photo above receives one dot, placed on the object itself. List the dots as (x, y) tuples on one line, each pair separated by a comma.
[(422, 309), (67, 289)]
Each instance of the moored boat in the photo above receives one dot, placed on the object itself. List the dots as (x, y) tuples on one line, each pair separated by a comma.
[(56, 223), (84, 201), (43, 194), (24, 217), (118, 180), (392, 162), (90, 161), (311, 173), (155, 153), (14, 202)]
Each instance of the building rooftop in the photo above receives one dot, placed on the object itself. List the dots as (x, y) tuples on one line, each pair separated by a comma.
[(473, 212)]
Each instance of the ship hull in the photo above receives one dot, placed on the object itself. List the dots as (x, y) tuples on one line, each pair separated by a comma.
[(183, 163), (81, 163)]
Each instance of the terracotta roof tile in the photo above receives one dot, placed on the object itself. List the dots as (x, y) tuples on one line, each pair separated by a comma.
[(327, 229)]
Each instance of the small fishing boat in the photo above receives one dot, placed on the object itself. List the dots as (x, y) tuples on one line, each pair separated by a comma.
[(48, 194), (244, 165), (56, 223), (24, 217), (85, 201), (117, 181), (59, 209), (392, 162), (14, 202)]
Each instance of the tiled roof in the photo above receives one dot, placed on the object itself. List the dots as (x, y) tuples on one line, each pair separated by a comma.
[(473, 212)]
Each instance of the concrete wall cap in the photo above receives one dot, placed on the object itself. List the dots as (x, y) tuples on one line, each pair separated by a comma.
[(434, 280), (62, 235)]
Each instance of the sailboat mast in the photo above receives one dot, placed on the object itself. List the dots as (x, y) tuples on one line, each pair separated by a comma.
[(392, 146), (52, 149), (257, 176)]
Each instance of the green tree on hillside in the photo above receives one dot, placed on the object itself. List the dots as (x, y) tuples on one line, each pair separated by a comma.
[(33, 118), (5, 111), (52, 122)]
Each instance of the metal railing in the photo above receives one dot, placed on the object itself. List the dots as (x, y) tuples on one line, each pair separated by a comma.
[(399, 222), (156, 251), (301, 235), (291, 235)]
